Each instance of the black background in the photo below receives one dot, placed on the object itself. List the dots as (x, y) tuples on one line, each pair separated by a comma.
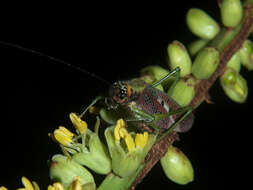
[(113, 41)]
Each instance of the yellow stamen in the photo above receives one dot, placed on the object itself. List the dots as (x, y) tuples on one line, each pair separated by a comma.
[(3, 188), (55, 186), (63, 136), (123, 132), (28, 185), (129, 142), (119, 125), (35, 185), (67, 132), (79, 124), (141, 139), (76, 184)]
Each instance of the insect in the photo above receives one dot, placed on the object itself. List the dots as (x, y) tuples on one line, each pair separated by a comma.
[(147, 106), (142, 104)]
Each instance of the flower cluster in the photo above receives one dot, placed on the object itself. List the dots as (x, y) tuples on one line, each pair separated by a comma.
[(85, 149)]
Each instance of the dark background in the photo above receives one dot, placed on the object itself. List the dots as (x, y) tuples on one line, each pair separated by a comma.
[(114, 42)]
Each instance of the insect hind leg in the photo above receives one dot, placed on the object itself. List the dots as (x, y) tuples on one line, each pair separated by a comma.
[(188, 111)]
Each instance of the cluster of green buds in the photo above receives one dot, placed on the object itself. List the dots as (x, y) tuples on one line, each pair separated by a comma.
[(202, 58)]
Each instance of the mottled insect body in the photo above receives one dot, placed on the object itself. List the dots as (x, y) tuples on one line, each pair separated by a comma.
[(146, 101)]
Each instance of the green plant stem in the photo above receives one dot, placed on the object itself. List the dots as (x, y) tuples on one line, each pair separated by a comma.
[(227, 42)]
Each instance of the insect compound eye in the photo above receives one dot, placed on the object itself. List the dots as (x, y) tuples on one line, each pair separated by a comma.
[(118, 92), (122, 93)]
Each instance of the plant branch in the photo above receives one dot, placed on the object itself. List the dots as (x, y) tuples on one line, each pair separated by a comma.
[(227, 42)]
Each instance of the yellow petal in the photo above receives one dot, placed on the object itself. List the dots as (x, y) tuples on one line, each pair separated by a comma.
[(76, 184), (79, 124), (3, 188), (129, 142), (28, 185), (141, 139)]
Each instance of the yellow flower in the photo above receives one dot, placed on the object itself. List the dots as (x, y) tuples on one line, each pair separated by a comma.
[(3, 188), (127, 150), (63, 136), (79, 124)]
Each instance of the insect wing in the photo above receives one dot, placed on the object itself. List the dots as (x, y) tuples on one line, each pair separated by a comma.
[(154, 101)]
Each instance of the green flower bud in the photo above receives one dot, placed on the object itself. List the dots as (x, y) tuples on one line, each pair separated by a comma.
[(205, 63), (201, 24), (235, 62), (234, 85), (231, 12), (154, 73), (177, 166), (64, 170), (196, 46), (183, 92), (125, 160), (96, 156), (179, 57), (246, 54), (150, 80)]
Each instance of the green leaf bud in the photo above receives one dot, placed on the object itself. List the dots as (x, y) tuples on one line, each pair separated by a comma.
[(234, 85), (201, 24), (64, 170), (196, 46), (179, 57), (231, 12), (96, 157), (246, 54), (235, 62), (205, 63), (183, 92), (177, 166)]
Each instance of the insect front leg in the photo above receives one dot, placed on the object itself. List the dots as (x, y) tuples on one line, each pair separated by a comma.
[(91, 104)]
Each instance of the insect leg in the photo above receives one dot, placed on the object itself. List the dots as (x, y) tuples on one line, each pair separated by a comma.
[(175, 71), (174, 125), (142, 115), (92, 103)]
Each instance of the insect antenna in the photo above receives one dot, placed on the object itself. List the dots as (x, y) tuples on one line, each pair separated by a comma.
[(55, 60)]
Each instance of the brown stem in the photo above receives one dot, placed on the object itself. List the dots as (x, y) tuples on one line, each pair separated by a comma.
[(201, 92)]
